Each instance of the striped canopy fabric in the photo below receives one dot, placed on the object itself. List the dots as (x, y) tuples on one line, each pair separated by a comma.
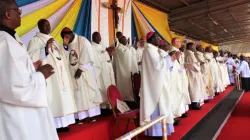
[(75, 14), (87, 16), (146, 19)]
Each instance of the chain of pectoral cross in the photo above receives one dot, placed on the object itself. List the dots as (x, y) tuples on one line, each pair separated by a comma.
[(56, 62)]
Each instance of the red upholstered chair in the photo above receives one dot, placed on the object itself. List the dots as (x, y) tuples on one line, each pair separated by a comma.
[(130, 116)]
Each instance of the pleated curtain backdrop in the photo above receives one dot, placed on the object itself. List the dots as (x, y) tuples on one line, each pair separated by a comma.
[(83, 23), (75, 14), (24, 2)]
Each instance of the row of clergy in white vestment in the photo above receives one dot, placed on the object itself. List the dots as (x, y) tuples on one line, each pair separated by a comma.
[(73, 98), (82, 75), (82, 72), (170, 84)]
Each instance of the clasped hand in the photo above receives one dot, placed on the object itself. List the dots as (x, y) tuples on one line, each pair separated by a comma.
[(78, 73), (49, 43), (47, 70)]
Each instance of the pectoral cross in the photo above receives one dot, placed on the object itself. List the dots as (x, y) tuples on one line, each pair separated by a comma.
[(116, 11)]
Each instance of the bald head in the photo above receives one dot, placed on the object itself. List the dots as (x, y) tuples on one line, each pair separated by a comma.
[(9, 14), (176, 42)]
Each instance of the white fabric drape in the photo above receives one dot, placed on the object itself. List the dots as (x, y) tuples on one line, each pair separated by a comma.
[(125, 26), (104, 26)]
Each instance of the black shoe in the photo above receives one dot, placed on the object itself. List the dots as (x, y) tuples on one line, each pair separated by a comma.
[(185, 115), (195, 106), (156, 137), (176, 122), (217, 93), (91, 119), (65, 129), (206, 101), (77, 121)]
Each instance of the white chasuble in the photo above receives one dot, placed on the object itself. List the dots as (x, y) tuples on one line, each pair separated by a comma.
[(60, 92), (183, 87), (230, 64), (103, 69), (20, 41), (197, 88), (219, 74), (87, 94), (179, 86), (139, 53), (227, 78), (155, 88), (206, 73), (217, 83), (24, 109), (125, 61), (36, 50), (224, 72)]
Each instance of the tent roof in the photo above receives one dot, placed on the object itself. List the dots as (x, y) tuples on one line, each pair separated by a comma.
[(218, 22)]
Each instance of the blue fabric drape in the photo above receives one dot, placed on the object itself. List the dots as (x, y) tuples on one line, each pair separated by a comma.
[(21, 3), (134, 31), (83, 22), (133, 28)]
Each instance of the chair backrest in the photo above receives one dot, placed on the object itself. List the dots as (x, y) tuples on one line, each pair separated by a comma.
[(113, 95), (136, 84)]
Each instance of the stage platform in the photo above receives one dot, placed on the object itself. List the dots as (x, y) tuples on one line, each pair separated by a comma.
[(103, 127)]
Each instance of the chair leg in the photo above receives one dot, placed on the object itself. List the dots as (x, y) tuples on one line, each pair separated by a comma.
[(116, 122), (137, 122), (127, 126), (133, 121)]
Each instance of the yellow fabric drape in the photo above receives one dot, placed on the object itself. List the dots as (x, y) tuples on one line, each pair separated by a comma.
[(30, 21), (68, 20), (158, 19)]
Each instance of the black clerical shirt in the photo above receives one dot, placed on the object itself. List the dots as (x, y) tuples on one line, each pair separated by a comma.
[(8, 30)]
